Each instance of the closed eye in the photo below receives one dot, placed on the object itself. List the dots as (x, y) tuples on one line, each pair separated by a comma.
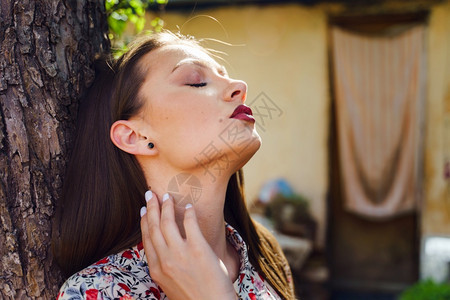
[(202, 84)]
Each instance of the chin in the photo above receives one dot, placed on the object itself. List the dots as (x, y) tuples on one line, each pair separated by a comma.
[(250, 150), (257, 141)]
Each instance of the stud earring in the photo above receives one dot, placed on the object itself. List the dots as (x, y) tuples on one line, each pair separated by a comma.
[(151, 145)]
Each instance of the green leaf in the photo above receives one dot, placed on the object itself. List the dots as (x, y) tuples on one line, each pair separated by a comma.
[(140, 25), (117, 24), (427, 290), (121, 12), (136, 3), (133, 18), (109, 4), (117, 15), (140, 11)]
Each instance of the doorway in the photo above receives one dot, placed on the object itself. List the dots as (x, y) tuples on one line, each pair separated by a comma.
[(369, 258)]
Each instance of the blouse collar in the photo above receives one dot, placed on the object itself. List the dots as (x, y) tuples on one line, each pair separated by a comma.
[(233, 237)]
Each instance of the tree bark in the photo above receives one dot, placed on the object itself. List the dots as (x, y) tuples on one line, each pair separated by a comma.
[(46, 53)]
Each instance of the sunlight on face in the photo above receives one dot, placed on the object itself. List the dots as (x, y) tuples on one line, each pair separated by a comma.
[(191, 113)]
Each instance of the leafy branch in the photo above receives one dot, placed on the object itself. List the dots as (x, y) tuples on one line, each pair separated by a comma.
[(121, 12)]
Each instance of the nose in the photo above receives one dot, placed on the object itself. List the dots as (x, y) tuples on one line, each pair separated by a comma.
[(236, 91)]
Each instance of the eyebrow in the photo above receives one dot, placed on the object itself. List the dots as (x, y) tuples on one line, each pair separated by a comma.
[(221, 69)]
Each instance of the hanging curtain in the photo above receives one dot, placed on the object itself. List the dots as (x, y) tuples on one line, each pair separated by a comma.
[(379, 91)]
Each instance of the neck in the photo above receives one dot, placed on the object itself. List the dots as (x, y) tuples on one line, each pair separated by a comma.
[(204, 192)]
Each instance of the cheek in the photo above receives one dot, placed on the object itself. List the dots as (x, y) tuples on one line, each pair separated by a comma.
[(185, 119), (184, 126), (199, 130), (202, 115)]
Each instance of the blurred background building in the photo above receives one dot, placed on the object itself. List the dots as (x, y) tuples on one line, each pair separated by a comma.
[(352, 101)]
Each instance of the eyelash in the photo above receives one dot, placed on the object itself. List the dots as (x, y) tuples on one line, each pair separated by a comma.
[(197, 85)]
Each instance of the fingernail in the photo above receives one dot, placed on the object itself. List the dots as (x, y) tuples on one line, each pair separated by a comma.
[(188, 206), (148, 195), (165, 197), (143, 210)]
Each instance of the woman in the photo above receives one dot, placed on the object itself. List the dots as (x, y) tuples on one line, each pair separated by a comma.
[(167, 117)]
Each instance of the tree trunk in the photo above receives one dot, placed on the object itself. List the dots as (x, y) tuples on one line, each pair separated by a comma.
[(46, 54)]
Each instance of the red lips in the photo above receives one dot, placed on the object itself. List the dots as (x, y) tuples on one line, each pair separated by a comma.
[(243, 112)]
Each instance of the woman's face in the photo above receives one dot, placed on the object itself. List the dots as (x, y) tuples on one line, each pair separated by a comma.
[(190, 111)]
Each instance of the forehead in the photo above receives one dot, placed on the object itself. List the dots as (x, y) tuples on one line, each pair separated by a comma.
[(167, 57)]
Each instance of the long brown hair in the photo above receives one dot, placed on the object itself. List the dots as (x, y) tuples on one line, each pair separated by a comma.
[(98, 213)]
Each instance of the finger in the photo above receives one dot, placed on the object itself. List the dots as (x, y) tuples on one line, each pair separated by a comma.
[(191, 227), (169, 227), (150, 253), (153, 219)]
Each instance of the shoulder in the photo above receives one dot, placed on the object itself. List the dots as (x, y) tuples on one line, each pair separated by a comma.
[(122, 275)]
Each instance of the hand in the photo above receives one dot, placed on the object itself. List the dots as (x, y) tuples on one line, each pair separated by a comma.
[(185, 268)]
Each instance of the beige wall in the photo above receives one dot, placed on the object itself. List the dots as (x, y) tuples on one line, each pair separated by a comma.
[(281, 51), (436, 205)]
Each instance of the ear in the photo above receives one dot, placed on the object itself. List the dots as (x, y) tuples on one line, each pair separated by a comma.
[(125, 135)]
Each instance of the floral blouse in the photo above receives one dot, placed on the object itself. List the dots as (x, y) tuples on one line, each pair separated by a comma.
[(126, 276)]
